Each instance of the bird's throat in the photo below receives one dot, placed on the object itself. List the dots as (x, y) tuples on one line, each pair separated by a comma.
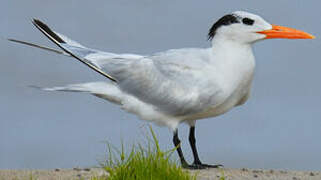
[(234, 63)]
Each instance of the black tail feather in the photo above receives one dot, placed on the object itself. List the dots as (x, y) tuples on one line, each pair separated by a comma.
[(45, 28), (38, 46), (60, 43)]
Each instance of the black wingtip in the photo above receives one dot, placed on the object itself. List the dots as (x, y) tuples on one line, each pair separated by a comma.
[(43, 27)]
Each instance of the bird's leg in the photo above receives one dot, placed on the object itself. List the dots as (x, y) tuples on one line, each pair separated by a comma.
[(197, 164), (177, 144)]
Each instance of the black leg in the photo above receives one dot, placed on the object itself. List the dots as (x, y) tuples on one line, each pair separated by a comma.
[(192, 142), (177, 144), (197, 164)]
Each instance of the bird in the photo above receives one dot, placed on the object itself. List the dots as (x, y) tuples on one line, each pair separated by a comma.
[(178, 85)]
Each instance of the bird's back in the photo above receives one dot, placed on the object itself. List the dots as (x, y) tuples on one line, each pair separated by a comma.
[(174, 82)]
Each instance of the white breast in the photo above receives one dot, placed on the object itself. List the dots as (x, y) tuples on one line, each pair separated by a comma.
[(234, 70)]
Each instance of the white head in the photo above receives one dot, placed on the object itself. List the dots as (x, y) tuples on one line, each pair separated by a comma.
[(244, 27)]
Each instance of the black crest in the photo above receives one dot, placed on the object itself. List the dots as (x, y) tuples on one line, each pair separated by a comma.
[(225, 20)]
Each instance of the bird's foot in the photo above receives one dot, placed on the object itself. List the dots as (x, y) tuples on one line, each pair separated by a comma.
[(201, 166)]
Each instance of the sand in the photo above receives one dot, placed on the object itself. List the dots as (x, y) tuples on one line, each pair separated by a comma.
[(209, 174)]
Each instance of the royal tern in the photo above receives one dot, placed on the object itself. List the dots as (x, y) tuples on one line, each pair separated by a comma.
[(178, 85)]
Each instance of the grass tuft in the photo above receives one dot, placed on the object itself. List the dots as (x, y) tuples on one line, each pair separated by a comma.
[(143, 163)]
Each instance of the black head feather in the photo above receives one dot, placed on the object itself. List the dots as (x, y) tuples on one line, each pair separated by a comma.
[(225, 20)]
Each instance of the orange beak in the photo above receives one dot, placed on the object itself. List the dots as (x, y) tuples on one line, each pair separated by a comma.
[(286, 33)]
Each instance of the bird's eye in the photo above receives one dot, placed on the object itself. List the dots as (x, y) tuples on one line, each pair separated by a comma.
[(248, 21)]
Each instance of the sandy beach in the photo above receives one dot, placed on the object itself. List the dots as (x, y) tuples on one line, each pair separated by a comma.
[(208, 174)]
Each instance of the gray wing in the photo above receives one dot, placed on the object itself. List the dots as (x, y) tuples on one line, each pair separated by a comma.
[(76, 50), (172, 82), (169, 81)]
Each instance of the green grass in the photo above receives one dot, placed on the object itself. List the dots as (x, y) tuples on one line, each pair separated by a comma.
[(143, 163)]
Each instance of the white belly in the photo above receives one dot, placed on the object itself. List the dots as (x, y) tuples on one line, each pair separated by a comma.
[(239, 97), (235, 94)]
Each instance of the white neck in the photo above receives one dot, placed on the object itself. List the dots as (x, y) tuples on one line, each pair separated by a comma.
[(223, 43), (228, 51), (233, 61)]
